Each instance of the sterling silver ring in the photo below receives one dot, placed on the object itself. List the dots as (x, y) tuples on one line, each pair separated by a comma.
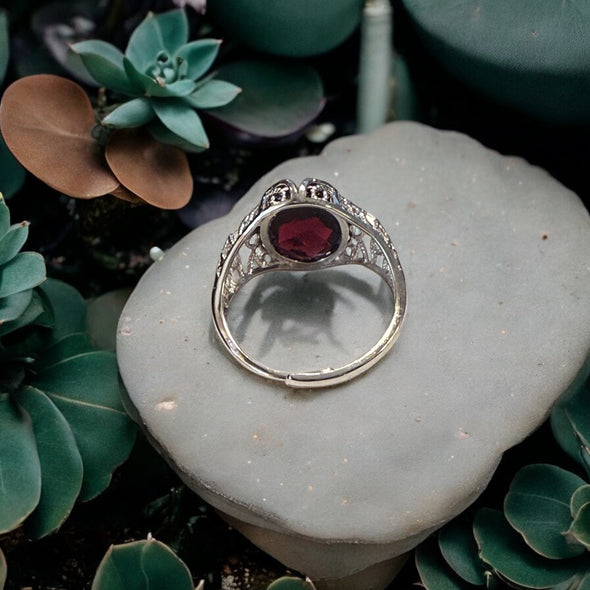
[(306, 228)]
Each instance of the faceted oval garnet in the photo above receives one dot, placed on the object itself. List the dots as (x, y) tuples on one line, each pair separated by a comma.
[(305, 234)]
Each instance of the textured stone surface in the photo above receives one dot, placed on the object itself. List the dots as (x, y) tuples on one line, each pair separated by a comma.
[(334, 481)]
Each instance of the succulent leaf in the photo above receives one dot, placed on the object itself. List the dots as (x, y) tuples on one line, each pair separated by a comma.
[(66, 307), (4, 216), (580, 529), (435, 573), (141, 565), (459, 549), (47, 120), (61, 472), (538, 506), (199, 56), (278, 99), (104, 63), (570, 422), (182, 121), (174, 29), (85, 388), (138, 78), (12, 241), (580, 497), (32, 313), (19, 466), (25, 271), (162, 134), (212, 94), (162, 568), (176, 89), (156, 172), (153, 86), (120, 569), (13, 306), (12, 238), (132, 113), (503, 549), (145, 43), (67, 347)]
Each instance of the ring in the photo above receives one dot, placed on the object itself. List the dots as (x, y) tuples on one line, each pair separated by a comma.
[(306, 228)]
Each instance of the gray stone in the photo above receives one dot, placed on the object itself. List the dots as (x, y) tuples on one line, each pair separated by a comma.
[(340, 483)]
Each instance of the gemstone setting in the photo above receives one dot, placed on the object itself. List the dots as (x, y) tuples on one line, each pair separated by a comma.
[(305, 234)]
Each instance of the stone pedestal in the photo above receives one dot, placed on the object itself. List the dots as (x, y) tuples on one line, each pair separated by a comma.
[(341, 483)]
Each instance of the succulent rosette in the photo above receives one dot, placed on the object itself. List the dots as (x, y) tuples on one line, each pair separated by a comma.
[(164, 76)]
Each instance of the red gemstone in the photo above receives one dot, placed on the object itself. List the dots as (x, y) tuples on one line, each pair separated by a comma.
[(306, 234)]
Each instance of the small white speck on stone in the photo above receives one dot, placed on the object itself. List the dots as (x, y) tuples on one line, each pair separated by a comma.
[(156, 253)]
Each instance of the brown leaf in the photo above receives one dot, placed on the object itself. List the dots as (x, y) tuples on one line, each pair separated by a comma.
[(126, 195), (46, 122), (156, 172)]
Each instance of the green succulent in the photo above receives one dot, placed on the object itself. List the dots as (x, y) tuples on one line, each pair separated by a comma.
[(142, 565), (163, 74), (152, 564), (20, 272), (540, 538), (63, 428)]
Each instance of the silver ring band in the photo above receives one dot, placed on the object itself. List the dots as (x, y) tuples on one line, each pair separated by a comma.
[(309, 227)]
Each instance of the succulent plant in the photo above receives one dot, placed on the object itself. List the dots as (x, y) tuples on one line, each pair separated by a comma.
[(62, 426), (149, 564), (132, 143), (142, 565), (541, 538), (50, 125), (162, 73), (47, 122), (20, 272)]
